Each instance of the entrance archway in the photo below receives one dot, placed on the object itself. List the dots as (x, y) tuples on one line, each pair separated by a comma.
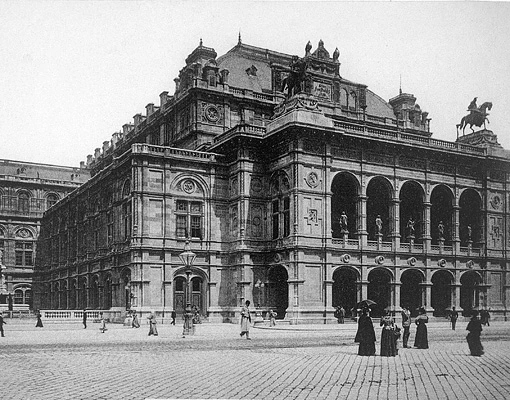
[(198, 293), (469, 292), (345, 289), (411, 291), (278, 290), (441, 292), (379, 290)]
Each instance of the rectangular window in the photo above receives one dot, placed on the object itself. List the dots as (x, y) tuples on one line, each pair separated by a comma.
[(189, 219), (286, 217), (181, 226), (276, 219), (24, 253)]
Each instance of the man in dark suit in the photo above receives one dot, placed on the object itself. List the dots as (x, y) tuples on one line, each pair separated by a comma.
[(85, 319), (453, 317), (2, 322)]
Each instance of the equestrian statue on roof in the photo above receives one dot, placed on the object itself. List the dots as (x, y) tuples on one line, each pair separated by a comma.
[(477, 116)]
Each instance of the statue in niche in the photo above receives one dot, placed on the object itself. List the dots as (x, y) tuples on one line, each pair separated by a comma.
[(440, 230), (378, 225), (469, 233), (343, 222), (410, 227)]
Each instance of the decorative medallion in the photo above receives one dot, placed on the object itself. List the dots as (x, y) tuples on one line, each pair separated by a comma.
[(256, 221), (495, 202), (345, 258), (379, 260), (470, 264), (312, 215), (24, 233), (277, 258), (256, 185), (312, 180), (188, 186), (212, 114), (411, 261), (441, 263)]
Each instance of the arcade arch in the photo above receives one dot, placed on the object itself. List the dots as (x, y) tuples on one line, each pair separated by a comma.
[(470, 216), (344, 197), (411, 293), (441, 293), (278, 290), (441, 213), (379, 290), (345, 288), (470, 282), (411, 208), (378, 204)]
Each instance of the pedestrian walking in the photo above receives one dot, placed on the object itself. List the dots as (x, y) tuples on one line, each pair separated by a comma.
[(173, 315), (272, 318), (388, 336), (421, 340), (135, 323), (2, 322), (484, 317), (454, 315), (406, 324), (102, 321), (365, 335), (85, 319), (39, 323), (153, 330), (473, 337), (245, 320)]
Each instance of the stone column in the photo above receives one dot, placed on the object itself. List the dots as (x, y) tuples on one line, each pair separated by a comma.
[(427, 239), (395, 222), (456, 229), (328, 292), (362, 221)]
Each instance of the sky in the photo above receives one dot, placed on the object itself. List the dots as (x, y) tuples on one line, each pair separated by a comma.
[(72, 73)]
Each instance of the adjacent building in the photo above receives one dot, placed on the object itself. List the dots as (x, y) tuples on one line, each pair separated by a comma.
[(26, 191), (297, 188)]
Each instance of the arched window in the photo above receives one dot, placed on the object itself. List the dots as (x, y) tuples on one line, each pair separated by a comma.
[(23, 202), (51, 199), (280, 206)]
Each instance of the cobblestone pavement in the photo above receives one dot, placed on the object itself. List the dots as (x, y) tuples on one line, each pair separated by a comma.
[(291, 362)]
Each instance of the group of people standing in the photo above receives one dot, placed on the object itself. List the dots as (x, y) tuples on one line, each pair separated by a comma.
[(390, 333)]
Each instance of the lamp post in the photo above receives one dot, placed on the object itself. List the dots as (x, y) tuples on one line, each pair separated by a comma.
[(260, 287), (187, 258)]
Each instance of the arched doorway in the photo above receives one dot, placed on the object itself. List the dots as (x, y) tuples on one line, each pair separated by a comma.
[(198, 294), (345, 289), (469, 292), (107, 301), (278, 290), (378, 205), (379, 290), (411, 207), (441, 212), (126, 288), (73, 295), (441, 292), (410, 290), (63, 302), (94, 295), (344, 198)]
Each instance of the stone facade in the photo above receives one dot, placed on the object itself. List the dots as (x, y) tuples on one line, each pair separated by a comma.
[(298, 189), (26, 191)]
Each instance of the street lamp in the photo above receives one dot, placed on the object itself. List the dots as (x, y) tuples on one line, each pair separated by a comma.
[(260, 286), (187, 258)]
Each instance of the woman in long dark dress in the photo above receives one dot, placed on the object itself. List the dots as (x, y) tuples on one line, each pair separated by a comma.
[(421, 340), (388, 337), (39, 323), (365, 335), (473, 338)]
